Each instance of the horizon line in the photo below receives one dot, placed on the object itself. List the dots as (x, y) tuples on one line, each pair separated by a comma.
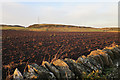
[(63, 24)]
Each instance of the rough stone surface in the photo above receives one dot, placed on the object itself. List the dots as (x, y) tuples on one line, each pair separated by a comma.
[(53, 69), (95, 63), (17, 74), (85, 61), (109, 52), (64, 70), (37, 72)]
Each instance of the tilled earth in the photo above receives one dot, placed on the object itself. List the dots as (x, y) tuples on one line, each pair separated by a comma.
[(23, 46), (38, 46)]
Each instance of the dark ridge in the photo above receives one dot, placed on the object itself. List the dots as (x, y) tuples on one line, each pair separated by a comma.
[(11, 25)]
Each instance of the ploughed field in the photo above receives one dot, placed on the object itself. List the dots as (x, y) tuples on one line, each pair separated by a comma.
[(34, 47)]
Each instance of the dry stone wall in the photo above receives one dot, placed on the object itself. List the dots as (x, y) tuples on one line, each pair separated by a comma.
[(68, 69)]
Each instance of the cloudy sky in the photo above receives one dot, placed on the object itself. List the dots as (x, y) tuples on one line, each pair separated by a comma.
[(95, 14)]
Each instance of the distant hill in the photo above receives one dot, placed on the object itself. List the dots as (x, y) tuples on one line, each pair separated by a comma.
[(111, 29), (11, 25), (54, 25)]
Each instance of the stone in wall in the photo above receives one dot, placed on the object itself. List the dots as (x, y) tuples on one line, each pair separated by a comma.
[(53, 69), (38, 72), (85, 61), (95, 63), (17, 75), (109, 52), (75, 68), (64, 70), (115, 50)]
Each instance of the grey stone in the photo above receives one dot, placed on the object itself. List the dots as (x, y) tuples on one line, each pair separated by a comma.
[(53, 69), (99, 60), (95, 63), (17, 75), (87, 63), (109, 52), (116, 52), (64, 70), (77, 68), (117, 49), (39, 72), (30, 75)]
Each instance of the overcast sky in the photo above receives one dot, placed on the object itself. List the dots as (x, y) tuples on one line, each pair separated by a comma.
[(95, 14)]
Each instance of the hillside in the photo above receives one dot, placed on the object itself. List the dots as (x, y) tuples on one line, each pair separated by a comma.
[(62, 28), (54, 25)]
